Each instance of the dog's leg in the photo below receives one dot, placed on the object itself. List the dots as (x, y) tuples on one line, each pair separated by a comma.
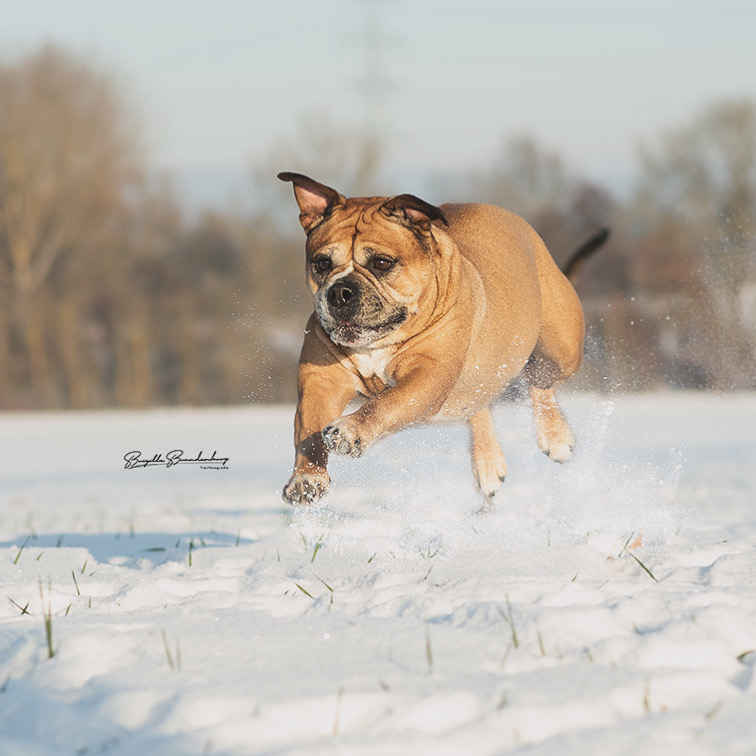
[(488, 462), (556, 357), (325, 389), (310, 480), (420, 391), (554, 436)]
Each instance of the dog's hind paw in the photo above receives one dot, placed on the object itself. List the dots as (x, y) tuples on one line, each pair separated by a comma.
[(490, 473), (557, 449), (341, 438), (306, 488), (560, 453), (554, 436)]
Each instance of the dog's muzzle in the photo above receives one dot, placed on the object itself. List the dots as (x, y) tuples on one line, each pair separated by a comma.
[(352, 314)]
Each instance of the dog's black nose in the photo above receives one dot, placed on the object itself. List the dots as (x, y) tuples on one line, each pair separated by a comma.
[(343, 295)]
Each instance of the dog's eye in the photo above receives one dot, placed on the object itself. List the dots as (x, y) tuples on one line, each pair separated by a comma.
[(322, 264), (382, 264)]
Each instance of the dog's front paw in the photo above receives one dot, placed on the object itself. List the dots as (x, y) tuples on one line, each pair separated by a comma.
[(342, 437), (306, 487)]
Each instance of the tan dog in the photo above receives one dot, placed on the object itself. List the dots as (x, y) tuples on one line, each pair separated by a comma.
[(428, 312)]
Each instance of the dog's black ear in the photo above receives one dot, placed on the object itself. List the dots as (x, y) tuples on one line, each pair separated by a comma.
[(315, 200), (419, 213)]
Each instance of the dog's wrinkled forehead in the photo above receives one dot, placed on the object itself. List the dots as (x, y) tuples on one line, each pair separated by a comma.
[(362, 223), (355, 212), (355, 219)]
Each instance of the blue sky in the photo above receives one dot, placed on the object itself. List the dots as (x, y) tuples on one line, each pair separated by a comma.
[(217, 85)]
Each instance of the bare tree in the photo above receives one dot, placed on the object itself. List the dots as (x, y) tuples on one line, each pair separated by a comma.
[(344, 157), (701, 180), (67, 159), (525, 178), (706, 172), (348, 157)]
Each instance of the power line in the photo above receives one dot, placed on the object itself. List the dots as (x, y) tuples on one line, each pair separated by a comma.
[(374, 83)]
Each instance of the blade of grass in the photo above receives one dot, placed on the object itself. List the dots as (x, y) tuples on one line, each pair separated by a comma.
[(47, 614), (714, 710), (337, 713), (651, 574), (168, 654), (506, 656), (428, 651), (330, 603), (625, 545), (24, 609), (324, 583), (20, 551), (509, 618), (306, 593), (540, 639)]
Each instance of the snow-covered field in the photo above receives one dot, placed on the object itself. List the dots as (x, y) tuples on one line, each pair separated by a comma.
[(607, 606)]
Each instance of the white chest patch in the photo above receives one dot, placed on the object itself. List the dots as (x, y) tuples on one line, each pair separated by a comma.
[(373, 362)]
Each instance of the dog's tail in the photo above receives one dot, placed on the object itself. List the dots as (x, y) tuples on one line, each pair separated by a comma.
[(579, 257)]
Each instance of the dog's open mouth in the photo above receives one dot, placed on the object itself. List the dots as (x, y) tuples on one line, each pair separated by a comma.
[(349, 333)]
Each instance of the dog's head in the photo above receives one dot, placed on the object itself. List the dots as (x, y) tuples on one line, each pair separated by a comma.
[(371, 261)]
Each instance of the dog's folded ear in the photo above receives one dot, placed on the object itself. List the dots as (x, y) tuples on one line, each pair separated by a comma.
[(418, 213), (315, 200)]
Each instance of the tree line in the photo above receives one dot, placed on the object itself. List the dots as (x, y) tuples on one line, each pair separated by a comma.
[(111, 296)]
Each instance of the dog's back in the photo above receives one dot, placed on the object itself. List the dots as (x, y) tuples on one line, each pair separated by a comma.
[(530, 305)]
